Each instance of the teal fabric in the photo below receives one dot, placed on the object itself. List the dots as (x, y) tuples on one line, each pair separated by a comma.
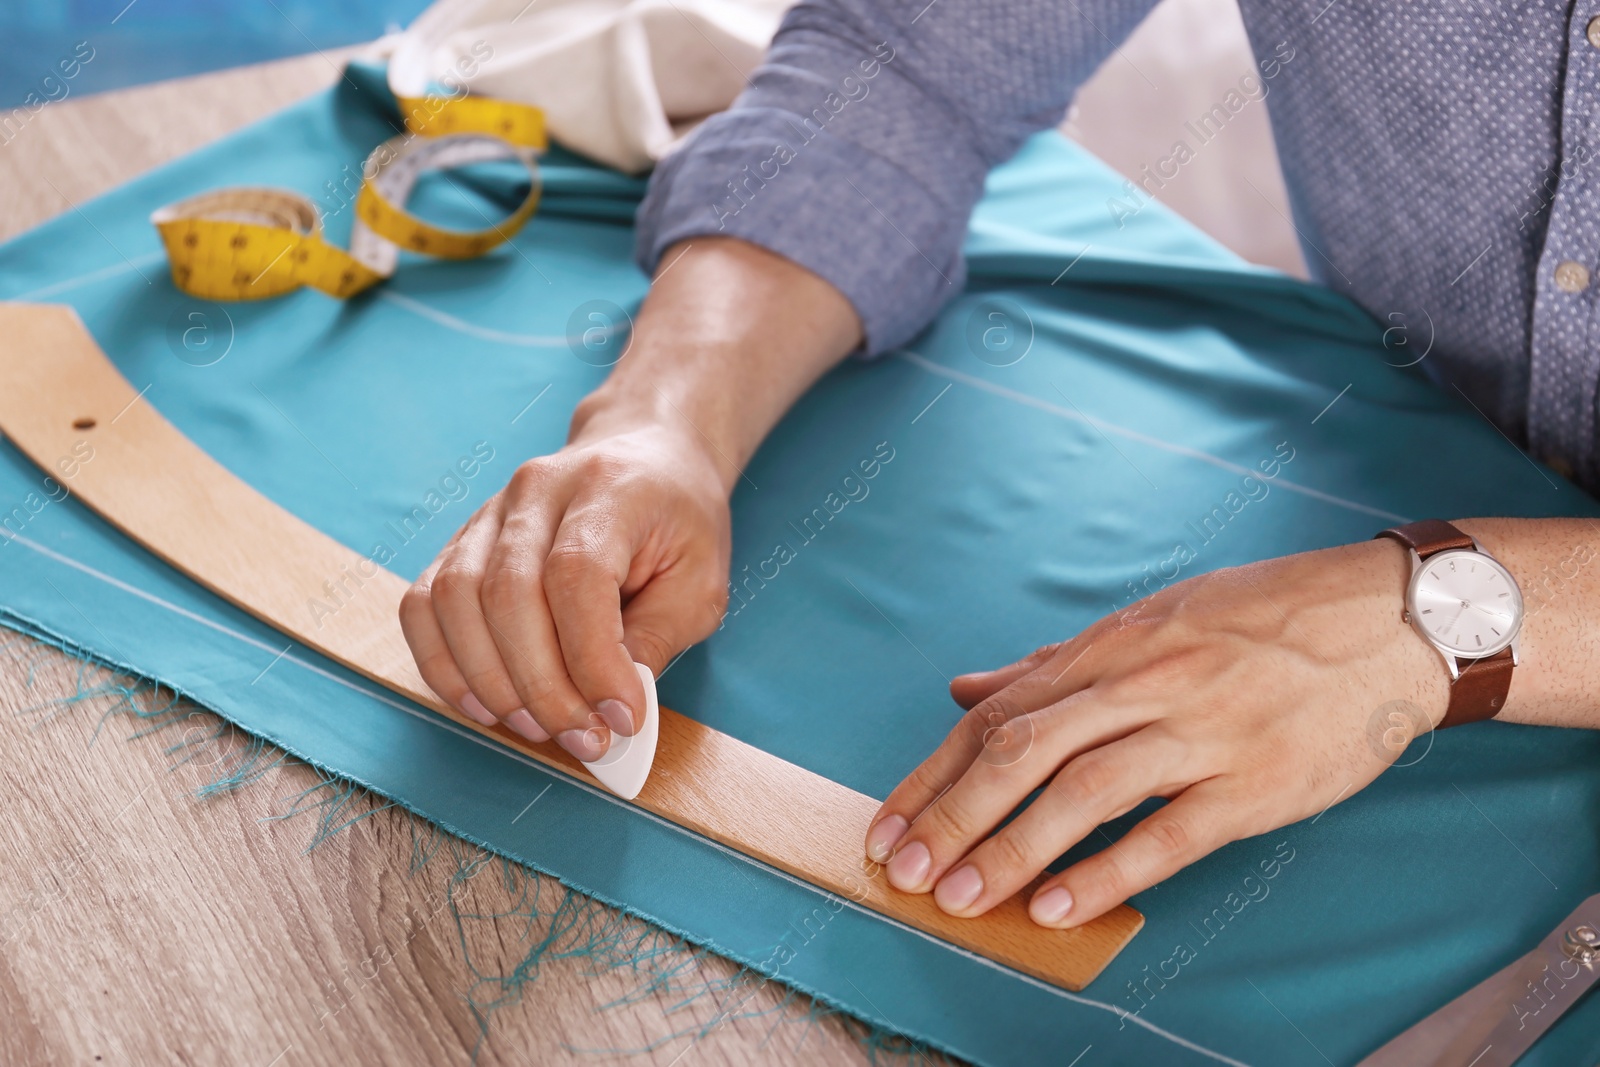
[(1147, 372)]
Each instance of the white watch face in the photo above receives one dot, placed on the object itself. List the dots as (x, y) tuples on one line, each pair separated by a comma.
[(1466, 603)]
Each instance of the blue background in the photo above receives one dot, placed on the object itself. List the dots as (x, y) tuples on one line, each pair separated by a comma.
[(155, 39)]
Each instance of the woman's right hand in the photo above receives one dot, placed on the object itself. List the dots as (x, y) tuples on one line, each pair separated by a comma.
[(612, 551)]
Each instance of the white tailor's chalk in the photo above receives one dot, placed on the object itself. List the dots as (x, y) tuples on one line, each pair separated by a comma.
[(626, 764)]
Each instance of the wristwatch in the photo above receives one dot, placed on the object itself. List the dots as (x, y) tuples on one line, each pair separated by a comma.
[(1466, 605)]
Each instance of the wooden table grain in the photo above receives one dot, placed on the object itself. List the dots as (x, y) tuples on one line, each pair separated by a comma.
[(142, 923)]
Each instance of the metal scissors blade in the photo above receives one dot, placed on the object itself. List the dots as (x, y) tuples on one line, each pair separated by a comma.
[(1495, 1022)]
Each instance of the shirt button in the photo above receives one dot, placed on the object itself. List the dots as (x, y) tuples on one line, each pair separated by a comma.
[(1593, 31), (1572, 277)]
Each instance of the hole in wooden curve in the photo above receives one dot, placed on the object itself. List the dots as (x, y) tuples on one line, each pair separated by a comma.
[(83, 424)]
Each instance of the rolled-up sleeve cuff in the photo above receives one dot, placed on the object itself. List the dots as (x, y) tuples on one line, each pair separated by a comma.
[(852, 217)]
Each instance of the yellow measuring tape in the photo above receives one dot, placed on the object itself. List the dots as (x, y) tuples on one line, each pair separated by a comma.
[(253, 243)]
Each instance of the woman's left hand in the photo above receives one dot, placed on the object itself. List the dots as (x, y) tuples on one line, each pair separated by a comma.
[(1249, 698)]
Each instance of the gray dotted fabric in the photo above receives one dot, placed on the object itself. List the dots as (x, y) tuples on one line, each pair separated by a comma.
[(862, 142), (1440, 156), (1441, 165)]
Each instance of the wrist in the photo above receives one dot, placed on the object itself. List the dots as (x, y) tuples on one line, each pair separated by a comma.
[(1464, 602), (728, 337), (690, 422), (1417, 678)]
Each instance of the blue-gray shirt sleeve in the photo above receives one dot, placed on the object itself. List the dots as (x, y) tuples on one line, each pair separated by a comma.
[(861, 144)]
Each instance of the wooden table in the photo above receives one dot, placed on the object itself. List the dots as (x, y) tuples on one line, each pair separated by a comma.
[(141, 924)]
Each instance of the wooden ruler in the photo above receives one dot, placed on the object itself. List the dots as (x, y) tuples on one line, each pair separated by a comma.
[(159, 488)]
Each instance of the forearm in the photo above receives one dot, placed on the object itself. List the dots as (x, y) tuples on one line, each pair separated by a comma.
[(1557, 564), (861, 145), (728, 338)]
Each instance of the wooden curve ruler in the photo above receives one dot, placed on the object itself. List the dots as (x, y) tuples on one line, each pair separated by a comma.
[(159, 488)]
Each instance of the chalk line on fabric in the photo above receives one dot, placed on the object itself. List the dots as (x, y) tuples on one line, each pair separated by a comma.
[(449, 321), (69, 284), (928, 365), (400, 300), (441, 722), (485, 333)]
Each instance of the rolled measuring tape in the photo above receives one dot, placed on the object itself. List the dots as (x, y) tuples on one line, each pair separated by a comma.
[(247, 243)]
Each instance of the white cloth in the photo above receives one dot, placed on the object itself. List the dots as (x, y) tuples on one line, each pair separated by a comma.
[(621, 81)]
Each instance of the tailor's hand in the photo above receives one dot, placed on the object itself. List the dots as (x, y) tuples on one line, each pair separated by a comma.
[(615, 549), (1242, 696), (612, 550)]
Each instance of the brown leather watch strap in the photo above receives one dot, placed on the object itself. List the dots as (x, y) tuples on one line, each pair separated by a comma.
[(1480, 690), (1429, 536)]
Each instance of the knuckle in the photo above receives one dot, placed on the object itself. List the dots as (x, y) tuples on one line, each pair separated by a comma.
[(505, 588), (457, 579), (1103, 878), (1009, 852), (1184, 664), (1086, 782), (494, 691), (415, 601), (603, 467), (1131, 623), (532, 476), (989, 714), (968, 733), (568, 561), (439, 671), (654, 647), (1000, 708), (1169, 834), (925, 781), (590, 663), (949, 820), (1044, 654), (537, 693)]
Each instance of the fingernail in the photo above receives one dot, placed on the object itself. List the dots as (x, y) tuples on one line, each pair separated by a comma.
[(910, 866), (882, 838), (587, 745), (474, 707), (957, 890), (527, 726), (617, 715), (1051, 906)]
